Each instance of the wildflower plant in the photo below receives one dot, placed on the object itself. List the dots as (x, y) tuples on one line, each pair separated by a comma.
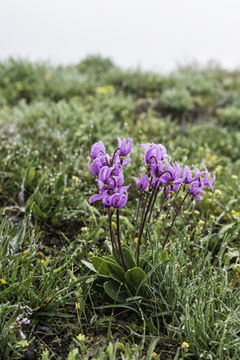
[(18, 325), (163, 178)]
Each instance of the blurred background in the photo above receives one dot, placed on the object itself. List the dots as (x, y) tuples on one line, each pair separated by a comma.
[(155, 35)]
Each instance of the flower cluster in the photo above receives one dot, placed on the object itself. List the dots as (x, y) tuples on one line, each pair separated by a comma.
[(109, 172), (162, 174), (19, 323), (165, 175)]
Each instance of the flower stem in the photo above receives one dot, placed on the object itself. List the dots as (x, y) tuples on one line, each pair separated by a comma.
[(112, 237), (119, 242), (173, 221), (144, 216), (170, 207), (153, 203), (137, 215), (162, 201)]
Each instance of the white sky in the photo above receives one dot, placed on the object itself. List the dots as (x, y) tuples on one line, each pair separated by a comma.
[(154, 34)]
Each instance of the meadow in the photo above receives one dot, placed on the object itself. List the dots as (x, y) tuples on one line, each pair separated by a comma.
[(50, 116)]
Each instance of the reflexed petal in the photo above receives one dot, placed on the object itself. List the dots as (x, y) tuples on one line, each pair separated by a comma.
[(95, 198), (126, 161)]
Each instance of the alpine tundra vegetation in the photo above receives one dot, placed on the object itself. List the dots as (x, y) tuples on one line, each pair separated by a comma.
[(120, 212)]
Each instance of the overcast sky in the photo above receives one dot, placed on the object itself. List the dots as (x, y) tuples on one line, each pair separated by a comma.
[(153, 34)]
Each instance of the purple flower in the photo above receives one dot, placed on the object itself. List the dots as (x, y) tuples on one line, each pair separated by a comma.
[(157, 169), (105, 173), (96, 149), (195, 189), (171, 174), (25, 321), (124, 148), (142, 183), (116, 200), (95, 166), (112, 184), (187, 175), (118, 162), (97, 197), (205, 180), (197, 185), (154, 153), (168, 175), (18, 325), (126, 161), (119, 199)]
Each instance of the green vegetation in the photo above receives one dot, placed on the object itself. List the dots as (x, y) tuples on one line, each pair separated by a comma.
[(49, 118)]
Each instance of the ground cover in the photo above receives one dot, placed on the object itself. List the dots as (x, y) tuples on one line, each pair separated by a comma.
[(49, 118)]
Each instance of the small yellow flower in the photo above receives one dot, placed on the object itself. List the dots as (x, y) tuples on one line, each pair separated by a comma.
[(212, 217), (154, 355), (66, 190), (75, 179), (104, 90), (196, 212), (84, 229), (185, 345), (3, 281), (77, 133), (42, 261), (136, 240), (23, 343), (234, 177), (114, 225), (25, 252), (236, 213), (218, 192), (40, 255), (219, 169), (81, 337), (77, 305)]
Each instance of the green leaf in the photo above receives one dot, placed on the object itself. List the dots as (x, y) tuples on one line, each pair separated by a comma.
[(144, 259), (115, 290), (109, 258), (151, 349), (59, 183), (37, 211), (128, 256), (116, 270), (134, 277), (73, 355), (31, 174), (100, 266), (227, 228), (164, 256), (88, 265)]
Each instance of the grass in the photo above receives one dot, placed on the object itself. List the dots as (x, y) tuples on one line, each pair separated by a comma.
[(49, 118)]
